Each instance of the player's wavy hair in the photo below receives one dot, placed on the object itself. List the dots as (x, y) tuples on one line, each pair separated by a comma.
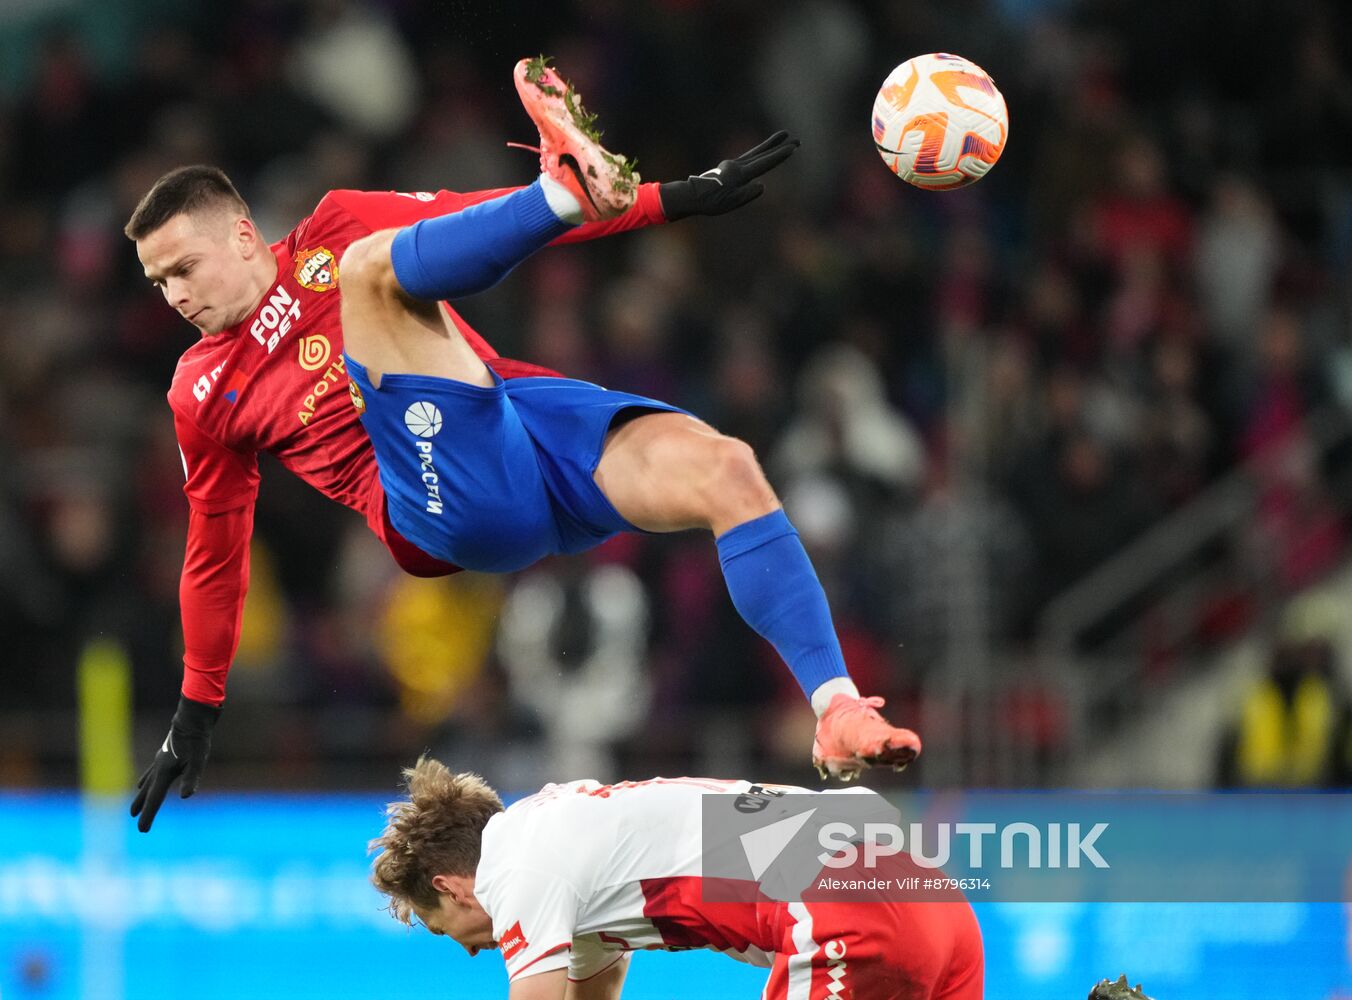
[(437, 830), (187, 190)]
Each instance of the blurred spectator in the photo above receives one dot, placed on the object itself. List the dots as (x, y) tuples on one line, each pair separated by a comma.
[(435, 637), (829, 36), (1054, 322), (847, 428), (1281, 387), (573, 642), (959, 565), (492, 732), (747, 398), (1089, 507), (635, 338), (1298, 531), (1238, 253), (1178, 439), (351, 60), (64, 124), (1294, 727), (1315, 103)]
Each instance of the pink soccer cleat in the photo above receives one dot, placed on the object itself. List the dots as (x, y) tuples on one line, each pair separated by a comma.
[(603, 182), (851, 736)]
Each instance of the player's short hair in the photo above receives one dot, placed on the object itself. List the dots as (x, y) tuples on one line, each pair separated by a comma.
[(437, 830), (187, 190)]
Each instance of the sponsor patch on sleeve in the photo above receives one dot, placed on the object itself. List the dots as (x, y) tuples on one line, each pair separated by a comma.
[(513, 942)]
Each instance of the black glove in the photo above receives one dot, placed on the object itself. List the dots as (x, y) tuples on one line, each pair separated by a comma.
[(728, 185), (184, 752)]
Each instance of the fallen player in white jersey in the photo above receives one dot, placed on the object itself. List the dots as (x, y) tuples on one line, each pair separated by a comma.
[(567, 882)]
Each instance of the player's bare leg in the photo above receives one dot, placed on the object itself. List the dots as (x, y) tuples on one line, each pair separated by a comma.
[(387, 330), (393, 278), (670, 472)]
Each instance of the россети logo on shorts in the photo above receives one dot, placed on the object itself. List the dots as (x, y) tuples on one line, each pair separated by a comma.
[(423, 420)]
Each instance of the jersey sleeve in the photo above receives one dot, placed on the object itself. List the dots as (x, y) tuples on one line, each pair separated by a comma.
[(221, 487), (218, 478), (391, 209), (645, 211), (534, 916), (211, 598)]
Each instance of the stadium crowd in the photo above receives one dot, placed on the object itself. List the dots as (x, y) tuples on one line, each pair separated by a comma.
[(967, 401)]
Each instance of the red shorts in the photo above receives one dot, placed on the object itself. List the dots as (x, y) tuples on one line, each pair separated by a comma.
[(881, 949)]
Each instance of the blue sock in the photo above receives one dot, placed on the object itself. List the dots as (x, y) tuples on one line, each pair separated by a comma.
[(455, 255), (774, 587)]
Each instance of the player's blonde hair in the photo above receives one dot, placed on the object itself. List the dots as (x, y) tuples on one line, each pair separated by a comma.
[(437, 830)]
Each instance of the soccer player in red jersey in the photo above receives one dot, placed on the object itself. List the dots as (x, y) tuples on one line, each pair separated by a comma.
[(336, 351), (568, 882)]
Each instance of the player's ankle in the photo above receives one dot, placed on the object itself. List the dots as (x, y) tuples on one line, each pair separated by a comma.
[(825, 691), (562, 202)]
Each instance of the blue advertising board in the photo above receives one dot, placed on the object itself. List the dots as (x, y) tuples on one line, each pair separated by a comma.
[(267, 896)]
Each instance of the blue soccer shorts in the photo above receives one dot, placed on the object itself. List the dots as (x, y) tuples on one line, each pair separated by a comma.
[(494, 478)]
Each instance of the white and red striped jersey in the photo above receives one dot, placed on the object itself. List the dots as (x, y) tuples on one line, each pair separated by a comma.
[(579, 873)]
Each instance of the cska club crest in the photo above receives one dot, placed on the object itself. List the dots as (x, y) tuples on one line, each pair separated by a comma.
[(317, 269)]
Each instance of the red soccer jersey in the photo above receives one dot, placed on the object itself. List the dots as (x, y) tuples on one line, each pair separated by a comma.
[(276, 383)]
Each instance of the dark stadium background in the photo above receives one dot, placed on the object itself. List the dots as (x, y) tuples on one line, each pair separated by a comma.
[(1070, 449)]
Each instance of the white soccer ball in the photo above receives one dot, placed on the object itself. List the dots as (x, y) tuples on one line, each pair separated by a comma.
[(939, 122)]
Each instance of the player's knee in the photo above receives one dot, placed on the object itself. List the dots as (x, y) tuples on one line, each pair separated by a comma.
[(735, 479), (366, 265)]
